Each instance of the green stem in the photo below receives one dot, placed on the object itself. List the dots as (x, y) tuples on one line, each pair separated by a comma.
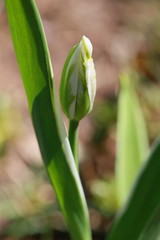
[(73, 139)]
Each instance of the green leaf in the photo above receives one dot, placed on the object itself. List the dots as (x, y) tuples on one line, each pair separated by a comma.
[(132, 140), (152, 232), (36, 71), (143, 202)]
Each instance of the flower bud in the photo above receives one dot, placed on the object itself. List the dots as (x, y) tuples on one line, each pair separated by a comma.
[(78, 81)]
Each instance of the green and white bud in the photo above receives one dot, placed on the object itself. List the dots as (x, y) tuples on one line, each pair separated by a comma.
[(78, 81)]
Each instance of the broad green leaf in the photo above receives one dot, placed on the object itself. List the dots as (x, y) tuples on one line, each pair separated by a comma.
[(36, 71), (132, 140), (152, 232), (143, 201)]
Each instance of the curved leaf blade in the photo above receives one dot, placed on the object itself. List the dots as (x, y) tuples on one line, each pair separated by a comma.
[(132, 139), (152, 232), (144, 200), (36, 72)]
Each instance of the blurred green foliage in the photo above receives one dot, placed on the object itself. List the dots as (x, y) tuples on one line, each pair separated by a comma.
[(104, 119), (10, 121)]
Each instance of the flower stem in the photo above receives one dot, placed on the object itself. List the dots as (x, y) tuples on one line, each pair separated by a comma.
[(73, 139)]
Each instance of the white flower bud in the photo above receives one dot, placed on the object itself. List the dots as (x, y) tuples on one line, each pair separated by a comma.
[(78, 81)]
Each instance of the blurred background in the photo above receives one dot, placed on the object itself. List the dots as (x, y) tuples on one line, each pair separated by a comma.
[(125, 34)]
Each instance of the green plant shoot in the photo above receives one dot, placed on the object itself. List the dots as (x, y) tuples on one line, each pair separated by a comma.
[(36, 71), (78, 88), (144, 200), (132, 139)]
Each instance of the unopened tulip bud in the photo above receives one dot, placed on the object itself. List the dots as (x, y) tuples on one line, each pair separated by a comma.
[(78, 81)]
